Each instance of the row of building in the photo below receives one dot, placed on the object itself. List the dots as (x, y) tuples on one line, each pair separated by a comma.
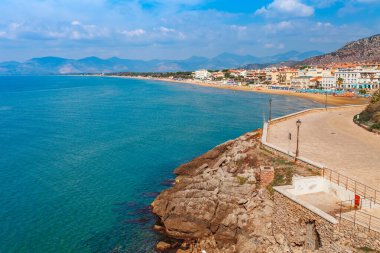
[(357, 77)]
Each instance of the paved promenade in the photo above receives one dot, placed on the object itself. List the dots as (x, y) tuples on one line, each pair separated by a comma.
[(331, 138)]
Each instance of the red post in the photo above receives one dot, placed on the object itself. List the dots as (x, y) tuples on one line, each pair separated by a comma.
[(357, 200)]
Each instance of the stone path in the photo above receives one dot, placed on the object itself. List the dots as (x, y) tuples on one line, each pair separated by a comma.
[(331, 138)]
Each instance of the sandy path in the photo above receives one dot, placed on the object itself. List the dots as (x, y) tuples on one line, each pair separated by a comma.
[(331, 138)]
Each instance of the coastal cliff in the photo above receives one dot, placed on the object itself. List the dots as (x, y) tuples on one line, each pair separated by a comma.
[(220, 203)]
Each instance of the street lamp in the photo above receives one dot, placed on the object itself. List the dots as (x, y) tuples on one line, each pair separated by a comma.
[(270, 109), (326, 101), (298, 123)]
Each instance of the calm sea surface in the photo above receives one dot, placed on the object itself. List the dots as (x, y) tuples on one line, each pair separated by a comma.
[(82, 157)]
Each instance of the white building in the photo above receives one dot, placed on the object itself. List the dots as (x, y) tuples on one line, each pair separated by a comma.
[(328, 82), (359, 78), (202, 74), (302, 82)]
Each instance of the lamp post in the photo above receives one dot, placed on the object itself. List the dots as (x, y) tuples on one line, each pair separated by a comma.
[(270, 109), (298, 123), (326, 101)]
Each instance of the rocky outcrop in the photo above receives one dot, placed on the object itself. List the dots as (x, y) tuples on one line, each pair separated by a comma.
[(216, 204), (363, 50), (219, 205)]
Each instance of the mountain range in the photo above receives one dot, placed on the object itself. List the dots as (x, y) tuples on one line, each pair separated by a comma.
[(56, 65), (362, 50)]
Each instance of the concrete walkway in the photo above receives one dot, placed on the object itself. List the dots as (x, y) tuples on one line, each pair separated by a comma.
[(331, 138)]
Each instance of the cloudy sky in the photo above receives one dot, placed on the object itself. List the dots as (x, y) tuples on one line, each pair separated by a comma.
[(177, 29)]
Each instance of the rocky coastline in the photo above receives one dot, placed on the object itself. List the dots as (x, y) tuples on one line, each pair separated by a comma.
[(221, 203)]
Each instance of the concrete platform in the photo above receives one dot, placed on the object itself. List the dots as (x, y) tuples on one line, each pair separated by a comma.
[(324, 201)]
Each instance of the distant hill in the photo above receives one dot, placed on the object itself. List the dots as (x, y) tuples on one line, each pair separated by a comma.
[(56, 65), (367, 49)]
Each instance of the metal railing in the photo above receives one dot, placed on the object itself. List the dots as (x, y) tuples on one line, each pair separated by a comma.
[(358, 188), (353, 213)]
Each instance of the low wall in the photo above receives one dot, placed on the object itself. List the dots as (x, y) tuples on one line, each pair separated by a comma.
[(308, 111), (304, 229)]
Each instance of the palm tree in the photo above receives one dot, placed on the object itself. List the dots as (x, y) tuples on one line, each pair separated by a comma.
[(339, 82)]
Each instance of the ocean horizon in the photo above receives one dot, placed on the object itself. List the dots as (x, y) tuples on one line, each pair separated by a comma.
[(83, 157)]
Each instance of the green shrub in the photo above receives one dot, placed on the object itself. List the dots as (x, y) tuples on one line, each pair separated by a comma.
[(371, 115), (375, 97), (376, 126), (364, 116)]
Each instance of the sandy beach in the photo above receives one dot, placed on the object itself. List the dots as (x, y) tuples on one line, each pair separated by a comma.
[(331, 100)]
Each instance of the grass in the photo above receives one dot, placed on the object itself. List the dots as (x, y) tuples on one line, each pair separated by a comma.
[(241, 180), (281, 161), (282, 176), (366, 249)]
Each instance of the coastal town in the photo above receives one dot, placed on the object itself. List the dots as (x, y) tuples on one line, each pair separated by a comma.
[(339, 76), (340, 80)]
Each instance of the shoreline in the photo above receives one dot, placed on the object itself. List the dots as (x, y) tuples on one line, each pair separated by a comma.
[(320, 98)]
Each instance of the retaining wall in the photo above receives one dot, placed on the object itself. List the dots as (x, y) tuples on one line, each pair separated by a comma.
[(293, 220)]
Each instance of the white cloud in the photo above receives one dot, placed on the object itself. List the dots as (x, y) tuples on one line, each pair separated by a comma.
[(273, 45), (14, 26), (326, 24), (164, 29), (274, 28), (238, 27), (75, 35), (284, 25), (269, 45), (134, 33), (286, 7), (367, 1), (75, 22), (181, 36)]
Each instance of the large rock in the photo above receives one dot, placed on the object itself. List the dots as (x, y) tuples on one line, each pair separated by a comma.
[(163, 246), (212, 196)]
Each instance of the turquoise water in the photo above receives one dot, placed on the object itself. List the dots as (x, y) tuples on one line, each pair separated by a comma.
[(82, 157)]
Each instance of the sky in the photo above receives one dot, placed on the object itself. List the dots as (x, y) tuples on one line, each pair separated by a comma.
[(179, 29)]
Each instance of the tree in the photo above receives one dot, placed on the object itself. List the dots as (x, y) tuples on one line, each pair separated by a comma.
[(339, 82), (318, 85), (227, 75)]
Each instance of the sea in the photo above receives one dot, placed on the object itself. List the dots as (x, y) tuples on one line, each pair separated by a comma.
[(83, 157)]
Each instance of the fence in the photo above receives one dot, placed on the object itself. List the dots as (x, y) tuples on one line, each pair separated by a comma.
[(350, 212), (358, 188), (370, 196)]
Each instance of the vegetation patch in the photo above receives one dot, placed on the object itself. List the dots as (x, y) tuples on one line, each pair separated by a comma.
[(366, 249), (282, 176), (241, 180), (371, 115)]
